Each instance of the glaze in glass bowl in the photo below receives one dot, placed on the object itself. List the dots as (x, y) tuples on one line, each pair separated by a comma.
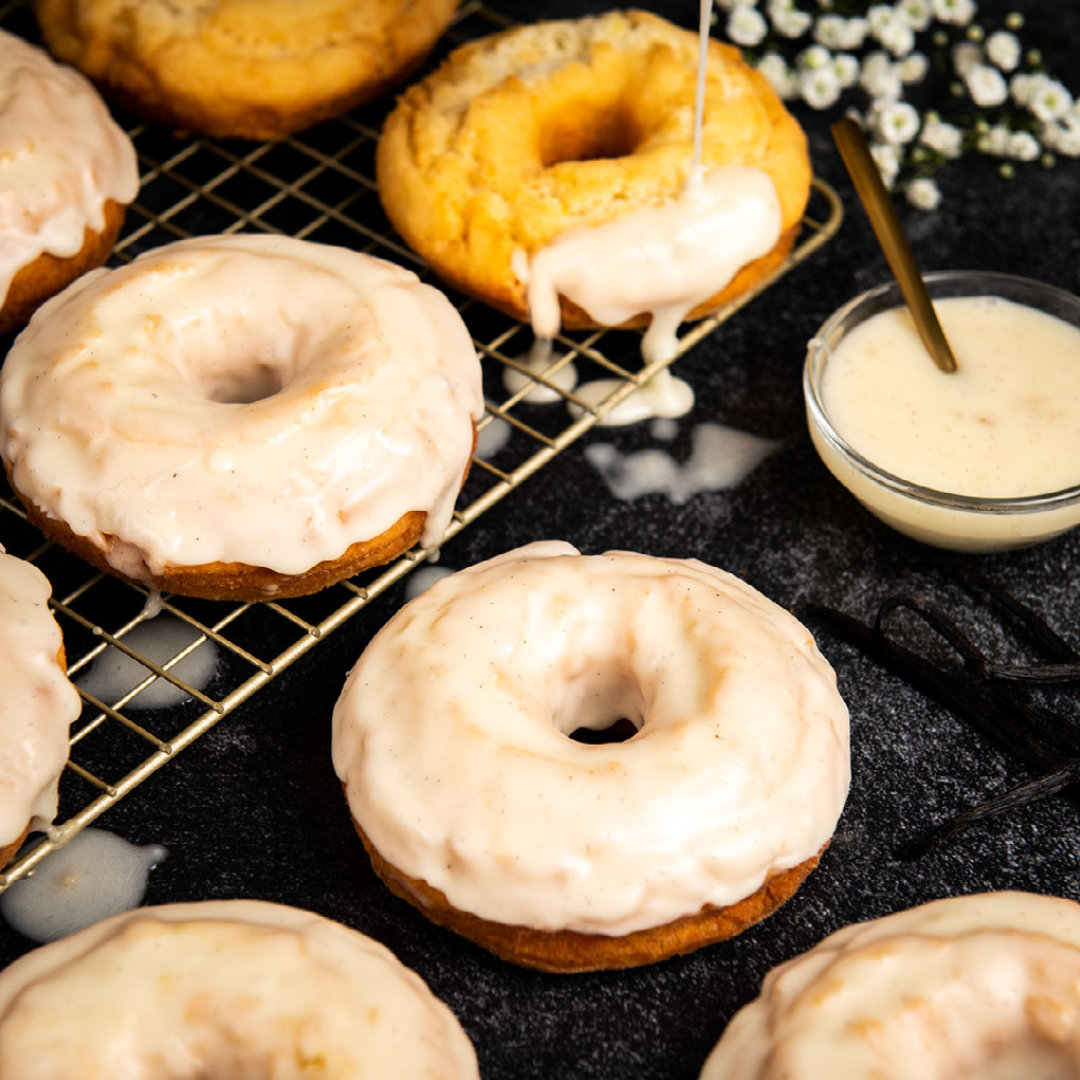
[(940, 518)]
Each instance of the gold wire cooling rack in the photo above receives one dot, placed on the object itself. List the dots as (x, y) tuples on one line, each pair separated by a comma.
[(317, 185)]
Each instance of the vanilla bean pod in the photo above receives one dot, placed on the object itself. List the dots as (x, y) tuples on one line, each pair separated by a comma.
[(958, 691), (1024, 794), (986, 695), (1043, 636), (1059, 736)]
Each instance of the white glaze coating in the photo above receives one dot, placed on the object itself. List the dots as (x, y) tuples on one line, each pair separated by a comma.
[(976, 986), (123, 404), (663, 260), (37, 703), (452, 739), (236, 988), (62, 158)]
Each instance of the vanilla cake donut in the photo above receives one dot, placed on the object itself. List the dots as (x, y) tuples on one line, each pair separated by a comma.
[(547, 170), (241, 417), (37, 703), (66, 173), (983, 986), (251, 69), (452, 740), (228, 988)]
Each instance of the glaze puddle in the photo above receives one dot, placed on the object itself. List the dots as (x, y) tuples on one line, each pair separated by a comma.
[(113, 673), (421, 580), (95, 875), (720, 457), (663, 397), (492, 437), (539, 361)]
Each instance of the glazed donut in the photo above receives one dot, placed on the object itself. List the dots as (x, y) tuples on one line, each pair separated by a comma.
[(972, 986), (237, 988), (241, 68), (580, 133), (241, 417), (66, 173), (37, 705), (452, 740)]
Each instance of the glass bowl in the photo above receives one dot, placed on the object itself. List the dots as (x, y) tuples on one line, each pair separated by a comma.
[(941, 518)]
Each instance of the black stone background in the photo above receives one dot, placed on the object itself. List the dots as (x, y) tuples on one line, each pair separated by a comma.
[(253, 809)]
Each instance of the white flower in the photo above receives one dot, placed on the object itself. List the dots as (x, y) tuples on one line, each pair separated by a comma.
[(898, 38), (986, 85), (887, 160), (1023, 87), (746, 26), (879, 77), (995, 141), (1050, 101), (913, 68), (855, 31), (957, 12), (846, 68), (774, 67), (946, 139), (896, 122), (891, 28), (830, 31), (1062, 136), (1003, 49), (792, 23), (819, 87), (882, 15), (966, 57), (918, 13), (1022, 146), (731, 5), (923, 194), (816, 56)]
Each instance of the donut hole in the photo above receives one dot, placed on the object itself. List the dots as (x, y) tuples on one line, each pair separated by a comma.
[(243, 386), (239, 357), (622, 730), (600, 705), (586, 131)]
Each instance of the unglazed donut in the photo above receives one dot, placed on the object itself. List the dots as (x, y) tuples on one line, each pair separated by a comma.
[(973, 986), (66, 173), (251, 69), (451, 738), (525, 138), (228, 988), (241, 417), (37, 705)]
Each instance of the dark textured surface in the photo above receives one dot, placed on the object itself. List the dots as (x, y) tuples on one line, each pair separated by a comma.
[(253, 809)]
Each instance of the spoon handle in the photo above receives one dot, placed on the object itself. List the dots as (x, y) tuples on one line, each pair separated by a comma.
[(851, 142)]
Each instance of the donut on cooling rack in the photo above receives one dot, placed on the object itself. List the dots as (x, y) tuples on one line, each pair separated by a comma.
[(240, 69), (241, 417), (974, 986), (549, 147), (223, 988), (66, 173), (452, 740), (37, 703)]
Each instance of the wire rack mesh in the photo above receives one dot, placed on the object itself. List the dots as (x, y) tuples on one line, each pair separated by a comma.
[(157, 673)]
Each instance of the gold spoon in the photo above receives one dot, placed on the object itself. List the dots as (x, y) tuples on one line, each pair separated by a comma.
[(851, 142)]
